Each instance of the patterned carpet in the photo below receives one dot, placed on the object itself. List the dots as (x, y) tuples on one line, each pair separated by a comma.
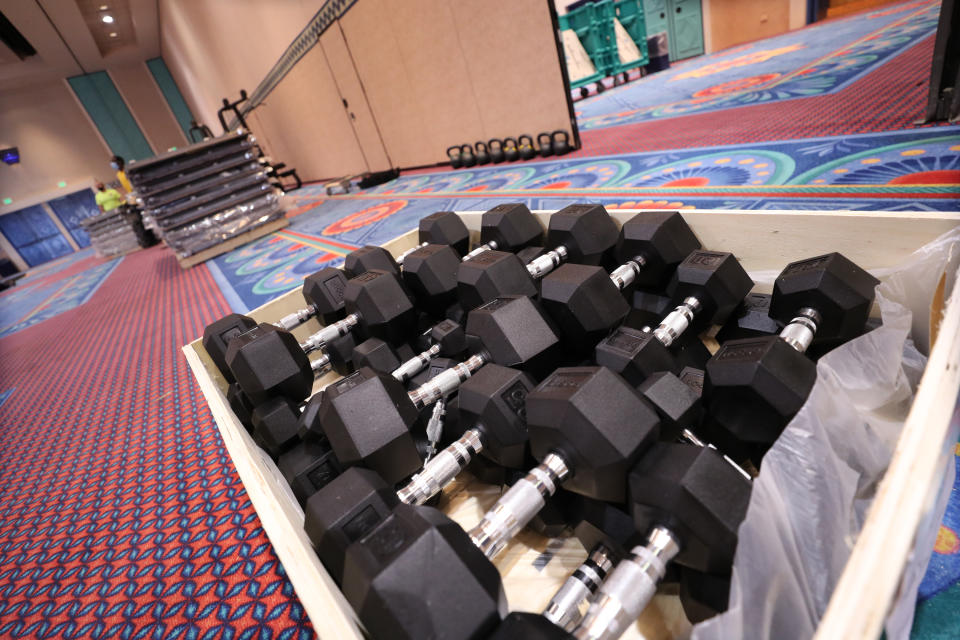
[(120, 512)]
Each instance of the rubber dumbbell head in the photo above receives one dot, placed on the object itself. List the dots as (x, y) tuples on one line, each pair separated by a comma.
[(368, 258), (367, 418), (445, 227), (217, 336), (633, 354), (346, 509), (697, 495), (417, 575)]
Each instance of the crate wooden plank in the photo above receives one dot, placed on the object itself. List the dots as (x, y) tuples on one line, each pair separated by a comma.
[(764, 241)]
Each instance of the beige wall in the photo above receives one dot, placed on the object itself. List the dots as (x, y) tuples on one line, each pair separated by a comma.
[(416, 76), (728, 23), (57, 142), (148, 106), (215, 48)]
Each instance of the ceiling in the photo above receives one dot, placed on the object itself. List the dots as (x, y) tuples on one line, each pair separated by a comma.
[(71, 38)]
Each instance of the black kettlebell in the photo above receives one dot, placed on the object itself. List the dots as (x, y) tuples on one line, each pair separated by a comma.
[(545, 142), (510, 151), (483, 155), (562, 145), (456, 160), (525, 149), (496, 151), (466, 156)]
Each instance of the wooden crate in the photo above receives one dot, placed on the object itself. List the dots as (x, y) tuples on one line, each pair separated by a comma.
[(764, 241)]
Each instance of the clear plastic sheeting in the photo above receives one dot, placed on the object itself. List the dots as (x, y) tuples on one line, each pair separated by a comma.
[(810, 500), (212, 230)]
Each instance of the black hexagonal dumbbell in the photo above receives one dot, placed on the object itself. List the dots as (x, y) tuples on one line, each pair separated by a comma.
[(445, 227), (586, 302), (446, 339), (691, 502), (240, 405), (269, 362), (507, 227), (708, 286), (378, 549), (577, 233), (347, 508), (429, 271), (367, 417), (703, 595), (451, 589), (323, 290), (308, 467), (277, 421), (587, 426), (492, 416), (750, 320), (754, 387)]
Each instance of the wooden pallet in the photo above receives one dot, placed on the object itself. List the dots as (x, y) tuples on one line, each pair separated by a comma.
[(233, 243)]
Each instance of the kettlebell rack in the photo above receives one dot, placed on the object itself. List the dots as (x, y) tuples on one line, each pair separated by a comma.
[(510, 149)]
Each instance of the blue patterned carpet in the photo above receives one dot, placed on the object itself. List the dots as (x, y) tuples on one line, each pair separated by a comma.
[(889, 171)]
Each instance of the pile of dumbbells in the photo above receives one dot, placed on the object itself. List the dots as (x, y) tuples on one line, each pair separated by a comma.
[(568, 367)]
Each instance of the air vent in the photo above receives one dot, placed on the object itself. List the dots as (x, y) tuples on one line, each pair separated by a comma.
[(14, 39)]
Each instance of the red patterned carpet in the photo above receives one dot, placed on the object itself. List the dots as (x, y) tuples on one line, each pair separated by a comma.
[(120, 512), (890, 98)]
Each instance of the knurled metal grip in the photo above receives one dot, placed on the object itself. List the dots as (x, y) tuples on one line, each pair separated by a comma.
[(518, 505), (321, 338), (624, 275), (629, 588), (488, 246), (296, 318), (445, 381), (677, 321), (799, 333), (415, 365), (442, 469), (399, 259), (321, 365), (563, 609), (539, 267)]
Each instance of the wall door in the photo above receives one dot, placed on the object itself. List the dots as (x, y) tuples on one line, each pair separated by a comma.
[(683, 22), (686, 32)]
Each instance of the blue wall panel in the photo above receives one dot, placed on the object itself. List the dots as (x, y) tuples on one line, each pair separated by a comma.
[(34, 235), (73, 208)]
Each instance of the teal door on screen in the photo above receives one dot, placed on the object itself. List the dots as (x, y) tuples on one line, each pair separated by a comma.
[(110, 114)]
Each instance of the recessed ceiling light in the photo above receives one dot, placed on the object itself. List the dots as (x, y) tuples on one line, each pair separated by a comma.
[(113, 34), (107, 18), (103, 7)]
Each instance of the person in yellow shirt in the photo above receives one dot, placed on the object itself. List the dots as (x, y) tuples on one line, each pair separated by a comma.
[(117, 163), (107, 199)]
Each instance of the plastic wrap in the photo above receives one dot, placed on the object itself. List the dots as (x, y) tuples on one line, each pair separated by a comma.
[(207, 232), (818, 480)]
